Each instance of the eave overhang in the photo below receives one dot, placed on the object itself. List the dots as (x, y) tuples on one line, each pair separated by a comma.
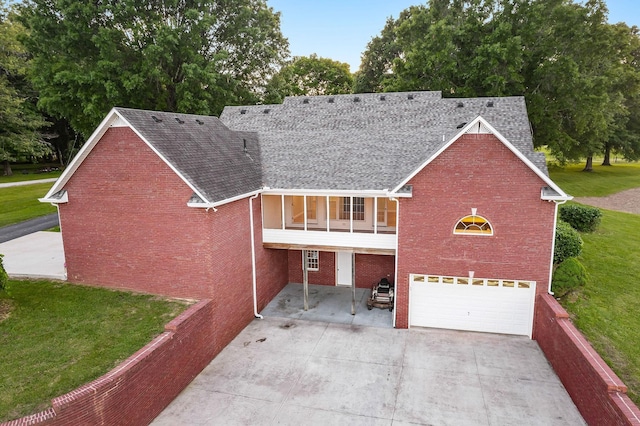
[(59, 197), (481, 123)]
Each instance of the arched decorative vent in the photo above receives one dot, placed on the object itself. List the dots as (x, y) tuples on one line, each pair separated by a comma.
[(474, 225)]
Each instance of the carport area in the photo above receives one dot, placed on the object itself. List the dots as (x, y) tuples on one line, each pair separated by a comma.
[(328, 304), (295, 371)]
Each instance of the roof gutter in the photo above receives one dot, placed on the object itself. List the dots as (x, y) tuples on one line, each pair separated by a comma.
[(384, 193), (209, 205)]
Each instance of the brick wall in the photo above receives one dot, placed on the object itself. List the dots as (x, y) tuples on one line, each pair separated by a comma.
[(595, 389), (369, 268), (127, 226), (476, 171), (136, 391)]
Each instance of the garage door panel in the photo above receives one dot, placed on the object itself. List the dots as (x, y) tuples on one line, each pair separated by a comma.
[(495, 309)]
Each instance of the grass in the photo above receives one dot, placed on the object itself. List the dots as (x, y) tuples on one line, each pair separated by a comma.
[(21, 203), (59, 336), (19, 177), (606, 309), (604, 180)]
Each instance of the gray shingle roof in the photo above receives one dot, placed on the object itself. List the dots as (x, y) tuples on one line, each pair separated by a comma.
[(368, 141), (209, 155)]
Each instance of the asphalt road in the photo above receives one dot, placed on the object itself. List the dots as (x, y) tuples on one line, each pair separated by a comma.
[(27, 227)]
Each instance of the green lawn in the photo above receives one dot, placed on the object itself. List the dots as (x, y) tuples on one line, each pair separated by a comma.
[(19, 177), (59, 336), (607, 309), (21, 203), (604, 180)]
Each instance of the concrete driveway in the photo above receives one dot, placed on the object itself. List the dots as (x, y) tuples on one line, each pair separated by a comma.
[(37, 255), (292, 372)]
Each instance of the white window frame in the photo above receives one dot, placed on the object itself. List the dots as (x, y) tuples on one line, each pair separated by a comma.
[(312, 260)]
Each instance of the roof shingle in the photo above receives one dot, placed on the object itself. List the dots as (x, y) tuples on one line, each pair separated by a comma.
[(208, 155), (368, 141)]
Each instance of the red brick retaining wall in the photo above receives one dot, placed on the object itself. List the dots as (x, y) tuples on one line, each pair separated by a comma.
[(136, 391), (598, 393)]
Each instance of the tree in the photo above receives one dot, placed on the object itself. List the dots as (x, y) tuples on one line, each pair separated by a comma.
[(625, 138), (171, 55), (20, 123), (578, 74), (377, 60), (309, 76)]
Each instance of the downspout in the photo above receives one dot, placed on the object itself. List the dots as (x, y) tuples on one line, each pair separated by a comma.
[(64, 256), (253, 260), (395, 278), (553, 242)]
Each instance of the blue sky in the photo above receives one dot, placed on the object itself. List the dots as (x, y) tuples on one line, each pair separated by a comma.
[(341, 29)]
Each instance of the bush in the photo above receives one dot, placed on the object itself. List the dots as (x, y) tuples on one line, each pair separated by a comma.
[(568, 276), (581, 218), (4, 278), (568, 243)]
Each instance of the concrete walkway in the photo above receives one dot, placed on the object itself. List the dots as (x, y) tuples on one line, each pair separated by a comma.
[(37, 255), (27, 182), (281, 371)]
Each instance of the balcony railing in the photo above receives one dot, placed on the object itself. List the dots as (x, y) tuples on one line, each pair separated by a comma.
[(342, 221)]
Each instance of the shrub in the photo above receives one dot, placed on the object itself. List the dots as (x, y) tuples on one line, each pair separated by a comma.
[(581, 218), (4, 278), (568, 276), (568, 243)]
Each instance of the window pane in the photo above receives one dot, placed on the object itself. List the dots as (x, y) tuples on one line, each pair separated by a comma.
[(358, 208), (312, 259), (345, 210), (473, 225)]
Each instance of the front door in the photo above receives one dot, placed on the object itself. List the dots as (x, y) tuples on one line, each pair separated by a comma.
[(344, 268)]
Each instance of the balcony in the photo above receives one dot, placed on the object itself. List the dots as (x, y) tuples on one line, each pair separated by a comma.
[(365, 224)]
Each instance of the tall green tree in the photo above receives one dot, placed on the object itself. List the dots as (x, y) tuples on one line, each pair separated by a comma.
[(171, 55), (309, 76), (625, 138), (20, 123), (575, 70), (377, 59)]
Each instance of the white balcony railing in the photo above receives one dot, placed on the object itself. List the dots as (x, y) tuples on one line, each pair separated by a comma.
[(329, 239)]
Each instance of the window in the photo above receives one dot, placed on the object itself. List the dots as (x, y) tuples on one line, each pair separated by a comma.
[(345, 211), (358, 208), (473, 224), (312, 259)]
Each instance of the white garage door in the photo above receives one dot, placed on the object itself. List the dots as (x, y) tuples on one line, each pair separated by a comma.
[(474, 304)]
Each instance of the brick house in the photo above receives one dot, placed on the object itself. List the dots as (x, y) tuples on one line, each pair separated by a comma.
[(444, 197)]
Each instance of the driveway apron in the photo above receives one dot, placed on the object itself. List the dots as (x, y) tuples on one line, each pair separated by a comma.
[(284, 371)]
